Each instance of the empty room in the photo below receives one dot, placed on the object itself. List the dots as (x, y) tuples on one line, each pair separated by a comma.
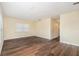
[(39, 28)]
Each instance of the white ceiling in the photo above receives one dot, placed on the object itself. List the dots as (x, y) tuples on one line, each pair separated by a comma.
[(37, 10)]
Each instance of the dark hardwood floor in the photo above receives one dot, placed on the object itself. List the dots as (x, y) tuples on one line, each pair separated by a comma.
[(35, 46)]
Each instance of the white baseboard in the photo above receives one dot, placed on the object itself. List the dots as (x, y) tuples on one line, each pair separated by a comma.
[(16, 37), (54, 37), (44, 37), (69, 43)]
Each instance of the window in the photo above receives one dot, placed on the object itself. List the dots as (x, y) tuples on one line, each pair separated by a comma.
[(22, 27)]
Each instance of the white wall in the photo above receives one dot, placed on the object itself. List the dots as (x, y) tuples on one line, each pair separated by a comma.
[(55, 28), (43, 28), (1, 30), (69, 28), (10, 30), (47, 28), (40, 28)]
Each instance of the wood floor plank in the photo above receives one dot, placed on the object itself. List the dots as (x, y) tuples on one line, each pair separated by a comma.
[(36, 46)]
